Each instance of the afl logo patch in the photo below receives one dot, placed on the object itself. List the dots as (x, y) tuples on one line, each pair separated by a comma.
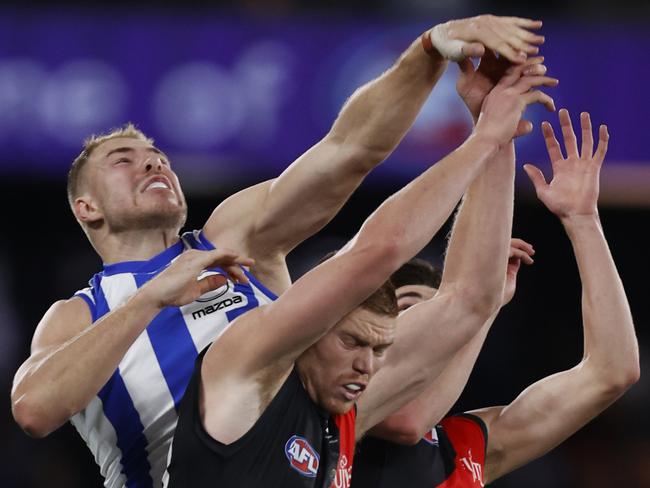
[(431, 437), (302, 457), (211, 295)]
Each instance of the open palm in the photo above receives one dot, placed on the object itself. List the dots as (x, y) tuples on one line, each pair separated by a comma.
[(573, 191)]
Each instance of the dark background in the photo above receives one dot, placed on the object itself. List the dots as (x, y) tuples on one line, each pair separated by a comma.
[(44, 256)]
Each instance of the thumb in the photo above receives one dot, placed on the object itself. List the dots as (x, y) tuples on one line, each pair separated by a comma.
[(524, 127), (536, 176), (473, 49)]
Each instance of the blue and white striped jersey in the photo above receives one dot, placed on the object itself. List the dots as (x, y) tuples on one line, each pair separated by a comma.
[(129, 425)]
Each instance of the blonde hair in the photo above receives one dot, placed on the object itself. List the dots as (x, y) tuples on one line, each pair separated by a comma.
[(92, 143)]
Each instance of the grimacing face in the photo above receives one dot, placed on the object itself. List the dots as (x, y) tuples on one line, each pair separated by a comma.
[(409, 295), (336, 370), (133, 186)]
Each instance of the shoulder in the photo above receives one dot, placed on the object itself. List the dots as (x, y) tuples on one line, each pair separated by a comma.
[(233, 218), (63, 320)]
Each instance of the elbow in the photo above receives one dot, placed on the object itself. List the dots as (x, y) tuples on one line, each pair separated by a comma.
[(31, 419), (615, 380), (627, 378), (400, 429), (478, 301), (383, 256)]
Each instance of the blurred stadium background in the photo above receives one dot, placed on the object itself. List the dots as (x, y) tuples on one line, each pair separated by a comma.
[(233, 92)]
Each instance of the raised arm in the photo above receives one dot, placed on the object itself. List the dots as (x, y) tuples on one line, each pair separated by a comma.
[(541, 417), (310, 192), (409, 423), (472, 282), (406, 426), (63, 374)]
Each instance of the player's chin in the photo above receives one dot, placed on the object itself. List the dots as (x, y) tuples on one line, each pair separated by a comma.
[(339, 406)]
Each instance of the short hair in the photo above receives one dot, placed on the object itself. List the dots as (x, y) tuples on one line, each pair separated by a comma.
[(90, 144), (417, 272), (382, 302)]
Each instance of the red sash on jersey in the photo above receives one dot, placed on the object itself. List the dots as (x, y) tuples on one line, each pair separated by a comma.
[(346, 426), (469, 443)]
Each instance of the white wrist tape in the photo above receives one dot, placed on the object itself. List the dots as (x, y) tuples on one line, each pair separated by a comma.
[(449, 48)]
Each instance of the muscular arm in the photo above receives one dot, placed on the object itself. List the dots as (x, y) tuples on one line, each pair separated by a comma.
[(310, 192), (396, 231), (407, 424), (541, 417), (406, 222), (478, 247), (71, 359)]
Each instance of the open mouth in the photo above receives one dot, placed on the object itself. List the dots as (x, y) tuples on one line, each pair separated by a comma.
[(157, 184), (352, 391)]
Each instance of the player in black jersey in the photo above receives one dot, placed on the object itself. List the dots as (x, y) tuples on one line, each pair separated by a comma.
[(483, 445), (281, 383)]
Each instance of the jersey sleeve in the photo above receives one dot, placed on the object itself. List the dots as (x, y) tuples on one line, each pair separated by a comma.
[(467, 436)]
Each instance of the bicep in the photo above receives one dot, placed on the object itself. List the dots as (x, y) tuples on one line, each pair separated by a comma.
[(540, 418), (63, 321), (232, 223), (308, 194)]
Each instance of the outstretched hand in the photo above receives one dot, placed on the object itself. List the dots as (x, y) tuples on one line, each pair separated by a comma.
[(500, 117), (573, 190), (474, 84), (520, 252), (472, 37), (184, 280)]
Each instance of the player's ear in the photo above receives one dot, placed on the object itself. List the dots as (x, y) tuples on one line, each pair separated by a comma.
[(86, 210)]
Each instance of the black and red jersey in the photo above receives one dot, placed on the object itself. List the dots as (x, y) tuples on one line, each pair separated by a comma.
[(294, 444), (452, 455)]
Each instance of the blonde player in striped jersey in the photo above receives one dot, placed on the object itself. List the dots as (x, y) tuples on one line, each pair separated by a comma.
[(116, 361)]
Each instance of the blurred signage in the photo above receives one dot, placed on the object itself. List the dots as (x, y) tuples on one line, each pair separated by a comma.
[(252, 94)]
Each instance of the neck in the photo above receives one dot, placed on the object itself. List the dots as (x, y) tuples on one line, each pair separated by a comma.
[(133, 245)]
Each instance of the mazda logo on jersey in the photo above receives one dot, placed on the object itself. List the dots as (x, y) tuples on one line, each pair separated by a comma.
[(211, 295), (302, 457)]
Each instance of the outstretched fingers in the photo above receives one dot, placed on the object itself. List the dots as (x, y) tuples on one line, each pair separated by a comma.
[(570, 142), (552, 145), (516, 40), (587, 136), (603, 141), (536, 177)]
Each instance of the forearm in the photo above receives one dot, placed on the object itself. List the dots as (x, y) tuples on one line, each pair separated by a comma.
[(409, 424), (464, 301), (541, 418), (478, 247), (412, 216), (377, 116), (370, 125), (610, 342), (59, 381)]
